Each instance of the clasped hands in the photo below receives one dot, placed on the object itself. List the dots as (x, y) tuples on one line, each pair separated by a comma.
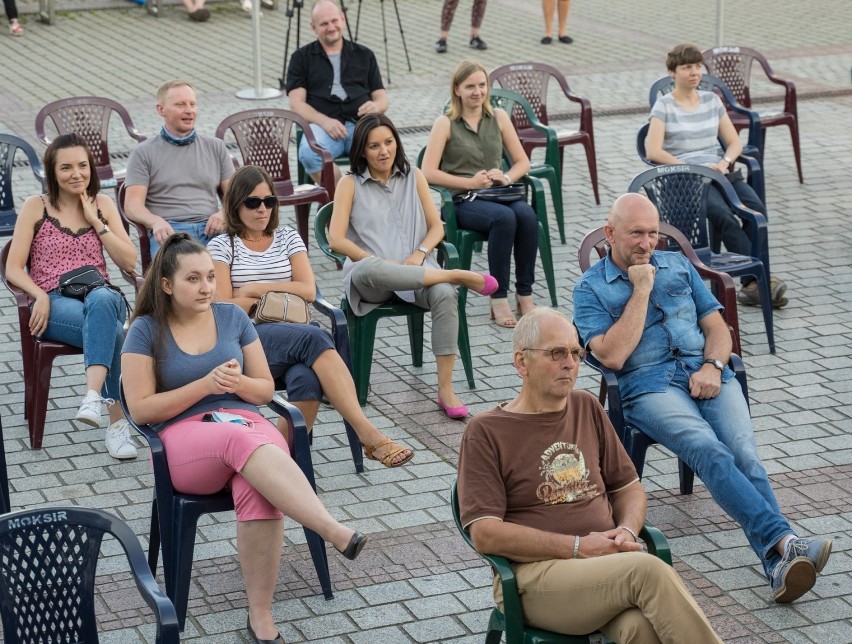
[(598, 544), (225, 379), (487, 179)]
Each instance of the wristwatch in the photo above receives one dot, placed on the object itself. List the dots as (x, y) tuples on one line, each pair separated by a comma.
[(727, 160), (508, 179), (716, 363), (424, 250), (103, 231)]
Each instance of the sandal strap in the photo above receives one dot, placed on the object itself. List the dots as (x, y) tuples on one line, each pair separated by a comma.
[(390, 454)]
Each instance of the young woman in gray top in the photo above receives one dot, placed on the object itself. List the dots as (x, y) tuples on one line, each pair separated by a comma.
[(385, 223)]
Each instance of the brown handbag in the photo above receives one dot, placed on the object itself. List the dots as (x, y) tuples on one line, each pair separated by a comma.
[(277, 306)]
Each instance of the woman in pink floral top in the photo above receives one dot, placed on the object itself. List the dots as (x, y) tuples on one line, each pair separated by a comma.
[(67, 228)]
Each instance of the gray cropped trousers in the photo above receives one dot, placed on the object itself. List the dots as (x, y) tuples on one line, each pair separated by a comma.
[(376, 282)]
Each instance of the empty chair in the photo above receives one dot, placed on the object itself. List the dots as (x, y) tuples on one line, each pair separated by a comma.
[(50, 557), (9, 145), (88, 116), (531, 80), (734, 66), (264, 138)]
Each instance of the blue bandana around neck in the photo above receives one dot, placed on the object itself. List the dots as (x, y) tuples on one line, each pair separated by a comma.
[(189, 138)]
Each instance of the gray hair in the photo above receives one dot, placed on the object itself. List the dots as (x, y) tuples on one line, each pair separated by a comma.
[(527, 332)]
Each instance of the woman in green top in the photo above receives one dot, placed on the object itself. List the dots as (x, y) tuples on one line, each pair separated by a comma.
[(465, 152)]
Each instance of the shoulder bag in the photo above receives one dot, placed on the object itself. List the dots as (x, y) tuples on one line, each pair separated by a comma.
[(500, 194)]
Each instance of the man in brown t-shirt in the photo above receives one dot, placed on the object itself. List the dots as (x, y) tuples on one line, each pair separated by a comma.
[(545, 482)]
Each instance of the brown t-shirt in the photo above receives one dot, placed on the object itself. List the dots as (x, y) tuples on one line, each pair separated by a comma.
[(550, 471)]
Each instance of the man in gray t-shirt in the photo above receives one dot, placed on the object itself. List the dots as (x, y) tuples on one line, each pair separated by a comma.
[(172, 178)]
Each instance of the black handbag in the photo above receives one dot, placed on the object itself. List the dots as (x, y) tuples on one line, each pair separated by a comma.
[(500, 194), (80, 281)]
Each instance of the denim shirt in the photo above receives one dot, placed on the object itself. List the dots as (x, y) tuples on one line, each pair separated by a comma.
[(671, 337)]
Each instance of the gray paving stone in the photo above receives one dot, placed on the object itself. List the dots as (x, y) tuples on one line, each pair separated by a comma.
[(434, 630)]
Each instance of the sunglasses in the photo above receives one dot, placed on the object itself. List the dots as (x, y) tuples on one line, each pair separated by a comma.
[(253, 203)]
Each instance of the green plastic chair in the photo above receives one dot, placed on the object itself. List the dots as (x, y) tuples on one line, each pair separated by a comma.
[(469, 240), (511, 622), (362, 329), (551, 170)]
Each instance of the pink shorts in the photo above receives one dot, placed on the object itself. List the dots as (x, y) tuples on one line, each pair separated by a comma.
[(204, 458)]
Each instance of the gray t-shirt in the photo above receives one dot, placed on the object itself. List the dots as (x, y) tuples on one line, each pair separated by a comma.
[(336, 86), (691, 136), (234, 331), (182, 179)]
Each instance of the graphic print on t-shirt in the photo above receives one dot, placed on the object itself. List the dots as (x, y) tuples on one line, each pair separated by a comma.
[(566, 479)]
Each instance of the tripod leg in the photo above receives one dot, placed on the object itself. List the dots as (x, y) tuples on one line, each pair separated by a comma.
[(344, 10), (401, 35), (385, 32)]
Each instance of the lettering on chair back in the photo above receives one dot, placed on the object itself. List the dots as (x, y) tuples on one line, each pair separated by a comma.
[(36, 519)]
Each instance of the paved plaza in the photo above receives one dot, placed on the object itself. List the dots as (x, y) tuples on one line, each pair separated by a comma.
[(417, 581)]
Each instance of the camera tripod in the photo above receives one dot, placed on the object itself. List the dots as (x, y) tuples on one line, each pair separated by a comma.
[(295, 9)]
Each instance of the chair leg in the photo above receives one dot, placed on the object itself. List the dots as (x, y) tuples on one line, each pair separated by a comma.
[(766, 305), (464, 339), (316, 545), (415, 338), (547, 263), (178, 573), (363, 331), (154, 538), (686, 477), (303, 213), (794, 135), (354, 447), (5, 505), (496, 625), (592, 161), (38, 399)]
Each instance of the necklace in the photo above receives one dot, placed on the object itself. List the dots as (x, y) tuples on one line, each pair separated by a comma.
[(247, 238)]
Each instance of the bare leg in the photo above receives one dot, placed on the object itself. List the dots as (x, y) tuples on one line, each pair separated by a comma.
[(276, 476), (547, 7), (563, 9), (337, 384), (445, 380), (259, 551)]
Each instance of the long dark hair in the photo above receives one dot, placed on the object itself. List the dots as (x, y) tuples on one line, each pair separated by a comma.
[(240, 186), (365, 125), (152, 300), (70, 140)]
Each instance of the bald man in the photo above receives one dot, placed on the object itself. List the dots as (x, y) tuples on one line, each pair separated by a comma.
[(648, 315), (331, 83)]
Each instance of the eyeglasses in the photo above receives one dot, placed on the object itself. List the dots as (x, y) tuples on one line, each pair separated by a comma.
[(253, 203), (560, 353)]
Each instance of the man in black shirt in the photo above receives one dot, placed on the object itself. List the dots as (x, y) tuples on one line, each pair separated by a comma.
[(331, 83)]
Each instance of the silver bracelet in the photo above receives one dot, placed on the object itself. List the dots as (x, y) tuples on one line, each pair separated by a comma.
[(576, 547), (632, 534)]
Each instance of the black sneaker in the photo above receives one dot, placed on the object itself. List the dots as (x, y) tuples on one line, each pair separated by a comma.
[(477, 43), (441, 46)]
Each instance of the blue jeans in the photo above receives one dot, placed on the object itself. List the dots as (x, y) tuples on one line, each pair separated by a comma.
[(96, 325), (715, 438), (509, 225), (194, 229), (312, 161)]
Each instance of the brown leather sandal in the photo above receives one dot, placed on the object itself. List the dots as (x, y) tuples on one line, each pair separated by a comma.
[(390, 454)]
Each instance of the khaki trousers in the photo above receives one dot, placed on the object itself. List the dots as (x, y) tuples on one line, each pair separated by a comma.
[(632, 597)]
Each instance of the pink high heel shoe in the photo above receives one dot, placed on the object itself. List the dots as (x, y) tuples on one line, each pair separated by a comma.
[(455, 413)]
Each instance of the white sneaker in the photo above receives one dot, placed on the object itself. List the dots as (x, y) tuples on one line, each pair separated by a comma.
[(246, 6), (119, 444), (91, 409)]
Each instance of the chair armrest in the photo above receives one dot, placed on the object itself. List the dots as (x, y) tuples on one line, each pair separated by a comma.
[(736, 363), (511, 598), (339, 327), (609, 386), (448, 210), (168, 631), (585, 106), (447, 255), (327, 171), (133, 279), (657, 543)]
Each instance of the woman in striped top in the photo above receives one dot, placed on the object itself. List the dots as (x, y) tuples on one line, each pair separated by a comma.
[(255, 256)]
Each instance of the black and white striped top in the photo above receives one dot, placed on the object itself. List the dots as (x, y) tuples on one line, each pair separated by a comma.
[(251, 267)]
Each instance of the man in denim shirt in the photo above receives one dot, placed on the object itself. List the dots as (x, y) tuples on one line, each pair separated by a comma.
[(649, 316)]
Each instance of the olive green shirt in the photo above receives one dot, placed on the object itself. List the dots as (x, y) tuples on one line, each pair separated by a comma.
[(468, 151)]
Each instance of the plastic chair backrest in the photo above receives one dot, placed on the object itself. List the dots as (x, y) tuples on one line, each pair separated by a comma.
[(9, 145), (732, 65), (530, 80), (321, 232), (89, 117), (47, 574)]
